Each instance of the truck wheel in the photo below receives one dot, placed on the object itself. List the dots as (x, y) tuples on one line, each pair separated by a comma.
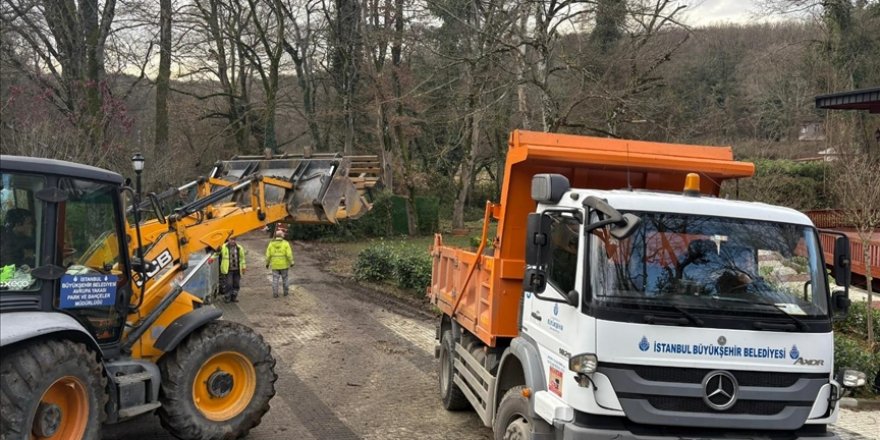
[(453, 398), (51, 389), (217, 383), (512, 422)]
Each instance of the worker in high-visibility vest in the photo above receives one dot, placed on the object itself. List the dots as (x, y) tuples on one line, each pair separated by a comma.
[(279, 258), (232, 267)]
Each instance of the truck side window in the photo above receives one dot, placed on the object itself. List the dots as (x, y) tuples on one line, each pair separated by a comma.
[(562, 258)]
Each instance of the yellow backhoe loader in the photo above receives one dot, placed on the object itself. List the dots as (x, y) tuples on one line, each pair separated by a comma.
[(101, 317)]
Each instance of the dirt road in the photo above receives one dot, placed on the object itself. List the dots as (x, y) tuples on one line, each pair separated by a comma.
[(351, 364)]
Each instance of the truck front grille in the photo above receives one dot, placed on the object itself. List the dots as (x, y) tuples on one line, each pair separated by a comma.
[(696, 375), (696, 405), (676, 396)]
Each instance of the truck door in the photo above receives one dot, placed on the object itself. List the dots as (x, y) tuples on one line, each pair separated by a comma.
[(547, 318), (95, 286)]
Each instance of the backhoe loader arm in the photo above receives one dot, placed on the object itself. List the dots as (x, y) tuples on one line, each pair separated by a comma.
[(237, 197)]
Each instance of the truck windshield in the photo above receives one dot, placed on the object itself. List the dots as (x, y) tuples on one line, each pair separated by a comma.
[(700, 262)]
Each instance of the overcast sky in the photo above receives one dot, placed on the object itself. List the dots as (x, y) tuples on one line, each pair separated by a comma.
[(705, 12)]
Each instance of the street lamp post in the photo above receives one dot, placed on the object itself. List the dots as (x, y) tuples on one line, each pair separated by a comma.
[(137, 161)]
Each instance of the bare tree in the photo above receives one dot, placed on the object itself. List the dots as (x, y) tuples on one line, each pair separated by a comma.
[(163, 78), (345, 60), (301, 45), (378, 25), (268, 20), (67, 39), (214, 53), (858, 189)]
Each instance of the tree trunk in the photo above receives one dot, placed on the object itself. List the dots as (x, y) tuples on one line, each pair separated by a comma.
[(468, 166), (386, 155), (412, 214), (521, 97), (270, 140), (348, 110), (163, 79), (94, 73)]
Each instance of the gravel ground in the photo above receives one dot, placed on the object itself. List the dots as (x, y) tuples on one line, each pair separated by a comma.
[(354, 363)]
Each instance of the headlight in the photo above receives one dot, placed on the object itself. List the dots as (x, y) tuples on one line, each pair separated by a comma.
[(853, 379), (584, 363)]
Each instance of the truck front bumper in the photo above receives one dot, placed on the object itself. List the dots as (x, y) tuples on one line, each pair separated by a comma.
[(575, 431)]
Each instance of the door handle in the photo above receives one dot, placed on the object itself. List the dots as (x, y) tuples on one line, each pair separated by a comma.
[(536, 315)]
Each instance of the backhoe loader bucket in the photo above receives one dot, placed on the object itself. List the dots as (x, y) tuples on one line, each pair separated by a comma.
[(326, 187)]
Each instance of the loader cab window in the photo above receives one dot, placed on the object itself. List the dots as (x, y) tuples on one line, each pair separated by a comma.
[(89, 250), (21, 214), (564, 242)]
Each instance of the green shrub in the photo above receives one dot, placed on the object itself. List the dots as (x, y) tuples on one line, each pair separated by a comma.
[(851, 352), (413, 271), (409, 269), (799, 185), (474, 241), (851, 349), (856, 322), (375, 263)]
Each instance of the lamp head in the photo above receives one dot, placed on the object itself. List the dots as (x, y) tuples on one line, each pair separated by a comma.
[(137, 161)]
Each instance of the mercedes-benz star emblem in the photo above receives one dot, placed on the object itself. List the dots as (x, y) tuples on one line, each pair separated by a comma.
[(720, 390), (722, 340)]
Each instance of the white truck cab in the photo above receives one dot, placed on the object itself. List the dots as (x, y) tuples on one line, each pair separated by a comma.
[(659, 315)]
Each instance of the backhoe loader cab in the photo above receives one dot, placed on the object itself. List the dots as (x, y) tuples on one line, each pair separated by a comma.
[(60, 250), (83, 343)]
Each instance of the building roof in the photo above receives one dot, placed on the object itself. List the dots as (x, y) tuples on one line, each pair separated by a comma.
[(863, 99)]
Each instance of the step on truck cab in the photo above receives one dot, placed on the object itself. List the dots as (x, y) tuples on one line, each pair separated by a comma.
[(612, 304)]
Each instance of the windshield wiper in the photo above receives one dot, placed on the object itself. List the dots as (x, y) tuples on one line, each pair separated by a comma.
[(690, 317), (761, 325)]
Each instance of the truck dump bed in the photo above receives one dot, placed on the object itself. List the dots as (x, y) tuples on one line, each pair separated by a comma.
[(482, 290)]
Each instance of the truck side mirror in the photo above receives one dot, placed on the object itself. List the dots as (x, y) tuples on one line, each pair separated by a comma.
[(631, 223), (842, 262), (549, 188), (537, 237), (622, 225), (840, 304), (535, 280)]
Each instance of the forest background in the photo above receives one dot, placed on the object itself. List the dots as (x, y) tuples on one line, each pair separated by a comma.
[(433, 88)]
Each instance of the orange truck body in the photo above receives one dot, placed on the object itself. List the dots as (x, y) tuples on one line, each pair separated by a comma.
[(482, 290)]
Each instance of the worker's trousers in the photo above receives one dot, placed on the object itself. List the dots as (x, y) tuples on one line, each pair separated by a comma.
[(232, 283), (279, 275)]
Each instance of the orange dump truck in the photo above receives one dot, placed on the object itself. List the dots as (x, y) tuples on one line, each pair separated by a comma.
[(605, 305)]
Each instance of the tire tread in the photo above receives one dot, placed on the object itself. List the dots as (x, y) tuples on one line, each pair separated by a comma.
[(178, 414), (24, 368)]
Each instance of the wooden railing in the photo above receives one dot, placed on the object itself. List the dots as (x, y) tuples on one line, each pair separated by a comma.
[(832, 218), (858, 254), (837, 219)]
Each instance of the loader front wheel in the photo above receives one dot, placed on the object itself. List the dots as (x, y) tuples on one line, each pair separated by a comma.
[(51, 389), (217, 383)]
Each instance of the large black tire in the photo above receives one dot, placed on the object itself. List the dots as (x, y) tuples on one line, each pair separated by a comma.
[(179, 413), (513, 422), (452, 396), (26, 374)]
